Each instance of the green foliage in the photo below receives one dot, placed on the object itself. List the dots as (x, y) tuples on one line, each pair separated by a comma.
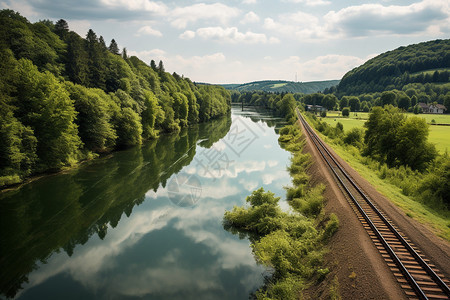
[(392, 138), (44, 105), (310, 204), (100, 101), (331, 227), (290, 243), (435, 187), (345, 112), (95, 110), (355, 137), (398, 68)]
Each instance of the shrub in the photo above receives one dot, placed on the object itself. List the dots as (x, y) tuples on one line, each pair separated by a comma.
[(355, 137), (346, 112), (331, 227)]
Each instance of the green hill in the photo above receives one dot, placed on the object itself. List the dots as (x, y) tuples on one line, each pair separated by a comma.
[(427, 62), (280, 86)]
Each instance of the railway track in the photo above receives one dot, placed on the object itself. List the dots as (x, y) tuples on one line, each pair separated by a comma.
[(417, 276)]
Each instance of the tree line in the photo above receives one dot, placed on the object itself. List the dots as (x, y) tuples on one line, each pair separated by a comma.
[(65, 98)]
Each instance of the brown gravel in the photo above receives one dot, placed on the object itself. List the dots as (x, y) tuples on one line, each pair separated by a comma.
[(361, 271)]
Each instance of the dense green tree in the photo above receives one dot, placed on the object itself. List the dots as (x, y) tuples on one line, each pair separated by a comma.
[(152, 115), (330, 102), (113, 47), (412, 147), (44, 105), (343, 102), (353, 103), (286, 106), (153, 65), (404, 102), (95, 110), (346, 112), (77, 60), (96, 61), (128, 128), (61, 28), (392, 138), (17, 149), (388, 98)]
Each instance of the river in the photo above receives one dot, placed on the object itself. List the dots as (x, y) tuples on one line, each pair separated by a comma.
[(145, 222)]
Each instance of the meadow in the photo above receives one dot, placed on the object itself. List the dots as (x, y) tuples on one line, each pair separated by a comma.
[(439, 135)]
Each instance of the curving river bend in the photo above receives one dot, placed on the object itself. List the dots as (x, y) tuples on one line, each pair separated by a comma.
[(145, 223)]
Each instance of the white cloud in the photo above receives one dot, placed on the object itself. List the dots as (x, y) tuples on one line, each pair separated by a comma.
[(137, 5), (80, 27), (180, 17), (272, 163), (148, 55), (233, 35), (147, 30), (427, 16), (250, 17), (187, 35), (369, 19), (310, 2), (249, 2), (249, 185), (323, 67), (23, 7)]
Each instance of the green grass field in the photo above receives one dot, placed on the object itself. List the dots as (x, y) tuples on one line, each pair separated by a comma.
[(439, 135)]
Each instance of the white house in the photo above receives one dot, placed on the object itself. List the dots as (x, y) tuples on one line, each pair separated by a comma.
[(432, 109)]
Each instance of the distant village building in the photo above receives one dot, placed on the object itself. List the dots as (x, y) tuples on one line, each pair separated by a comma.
[(432, 109), (315, 108)]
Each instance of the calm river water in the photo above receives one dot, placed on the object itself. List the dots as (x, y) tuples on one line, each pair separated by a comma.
[(144, 223)]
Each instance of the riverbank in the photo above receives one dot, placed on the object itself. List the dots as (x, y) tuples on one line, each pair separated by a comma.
[(293, 243)]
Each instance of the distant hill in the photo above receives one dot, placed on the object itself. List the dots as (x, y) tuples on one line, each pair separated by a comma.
[(279, 86), (427, 62)]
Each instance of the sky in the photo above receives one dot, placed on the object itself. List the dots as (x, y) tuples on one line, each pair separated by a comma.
[(243, 41)]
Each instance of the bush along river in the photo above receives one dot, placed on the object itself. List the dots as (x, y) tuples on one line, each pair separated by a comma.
[(145, 222)]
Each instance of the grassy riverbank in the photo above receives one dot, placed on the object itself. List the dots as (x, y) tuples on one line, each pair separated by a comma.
[(292, 243)]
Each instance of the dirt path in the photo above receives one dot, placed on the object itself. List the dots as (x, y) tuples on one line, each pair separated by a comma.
[(361, 271)]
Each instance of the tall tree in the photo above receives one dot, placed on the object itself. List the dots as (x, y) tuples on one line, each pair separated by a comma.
[(77, 60), (96, 61), (113, 47), (61, 28), (153, 65)]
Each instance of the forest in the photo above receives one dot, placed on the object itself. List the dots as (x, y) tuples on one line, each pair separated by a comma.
[(427, 62), (66, 98)]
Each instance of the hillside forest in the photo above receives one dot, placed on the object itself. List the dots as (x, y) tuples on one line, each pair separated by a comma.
[(66, 98)]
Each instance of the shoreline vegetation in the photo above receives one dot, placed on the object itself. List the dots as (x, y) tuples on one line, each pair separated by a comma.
[(291, 243), (67, 99)]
